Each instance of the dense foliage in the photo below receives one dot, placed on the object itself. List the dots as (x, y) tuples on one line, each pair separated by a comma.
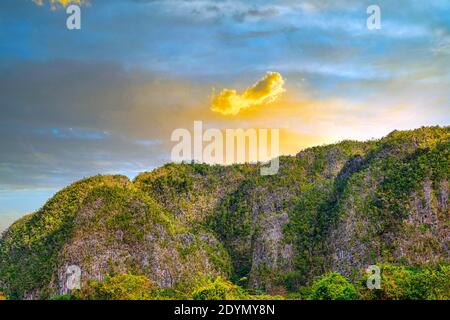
[(411, 283), (120, 287), (333, 286), (219, 289)]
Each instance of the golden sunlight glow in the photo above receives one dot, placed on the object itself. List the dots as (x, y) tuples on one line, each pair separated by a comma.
[(265, 90), (63, 3)]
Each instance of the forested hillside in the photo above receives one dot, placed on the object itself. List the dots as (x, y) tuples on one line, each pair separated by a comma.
[(187, 230)]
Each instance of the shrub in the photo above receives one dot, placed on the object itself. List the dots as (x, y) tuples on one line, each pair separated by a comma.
[(333, 286), (293, 280), (64, 297), (121, 287), (410, 283), (219, 289)]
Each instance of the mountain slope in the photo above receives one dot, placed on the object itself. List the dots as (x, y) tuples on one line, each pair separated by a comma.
[(340, 207)]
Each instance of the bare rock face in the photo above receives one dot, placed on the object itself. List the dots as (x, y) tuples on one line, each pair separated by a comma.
[(423, 237), (393, 208), (109, 239), (426, 236), (269, 253)]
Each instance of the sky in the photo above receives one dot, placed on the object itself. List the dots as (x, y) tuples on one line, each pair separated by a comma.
[(106, 98)]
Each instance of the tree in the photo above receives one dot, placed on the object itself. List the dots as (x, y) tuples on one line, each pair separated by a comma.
[(219, 289), (121, 287), (333, 286), (411, 283)]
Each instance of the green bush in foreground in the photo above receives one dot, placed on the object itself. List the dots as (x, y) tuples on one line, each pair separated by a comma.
[(64, 297), (397, 283), (219, 289), (121, 287), (333, 286), (140, 287), (410, 283)]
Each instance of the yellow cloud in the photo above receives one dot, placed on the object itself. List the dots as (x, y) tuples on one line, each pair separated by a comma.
[(55, 3), (266, 90)]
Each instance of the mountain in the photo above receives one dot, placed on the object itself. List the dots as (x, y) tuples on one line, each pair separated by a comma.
[(340, 207)]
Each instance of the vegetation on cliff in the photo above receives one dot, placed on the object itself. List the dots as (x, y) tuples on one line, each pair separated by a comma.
[(307, 232)]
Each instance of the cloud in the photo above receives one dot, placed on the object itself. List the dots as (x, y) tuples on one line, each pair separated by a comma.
[(265, 90), (103, 120), (55, 3)]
